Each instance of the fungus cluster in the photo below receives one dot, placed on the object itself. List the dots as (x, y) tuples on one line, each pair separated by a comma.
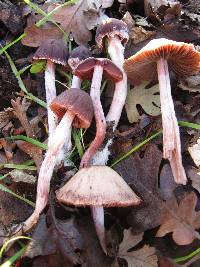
[(96, 185)]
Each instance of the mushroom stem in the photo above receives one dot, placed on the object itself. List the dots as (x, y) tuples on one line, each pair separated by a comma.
[(50, 95), (58, 139), (76, 82), (95, 94), (171, 135), (116, 52), (98, 218)]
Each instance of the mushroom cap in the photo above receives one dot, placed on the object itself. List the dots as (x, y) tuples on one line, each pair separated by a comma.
[(182, 58), (85, 69), (78, 103), (53, 50), (77, 55), (97, 186), (109, 28)]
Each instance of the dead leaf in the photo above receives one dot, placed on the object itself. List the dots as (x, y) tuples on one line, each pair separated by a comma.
[(181, 220), (194, 175), (5, 117), (144, 257), (191, 83), (139, 174), (21, 176), (148, 99), (195, 152), (77, 19)]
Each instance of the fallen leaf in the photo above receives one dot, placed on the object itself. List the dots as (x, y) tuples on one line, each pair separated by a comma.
[(181, 220), (148, 99), (5, 117), (195, 152), (11, 16), (143, 257), (194, 175), (190, 83), (143, 179), (21, 176)]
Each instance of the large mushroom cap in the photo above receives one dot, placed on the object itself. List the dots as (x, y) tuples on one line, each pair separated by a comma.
[(97, 186), (76, 101), (77, 55), (53, 50), (182, 58), (109, 28), (85, 69)]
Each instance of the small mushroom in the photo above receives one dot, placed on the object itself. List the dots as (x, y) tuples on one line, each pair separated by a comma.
[(97, 187), (152, 61), (72, 107), (54, 52), (94, 68), (76, 56), (113, 33)]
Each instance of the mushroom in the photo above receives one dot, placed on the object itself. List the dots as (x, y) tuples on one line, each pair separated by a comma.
[(114, 33), (73, 107), (54, 52), (76, 56), (95, 67), (97, 187), (154, 58)]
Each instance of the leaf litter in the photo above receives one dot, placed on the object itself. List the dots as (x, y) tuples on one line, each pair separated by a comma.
[(167, 210)]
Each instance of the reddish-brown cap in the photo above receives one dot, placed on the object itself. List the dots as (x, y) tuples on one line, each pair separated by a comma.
[(182, 58), (53, 50), (109, 28), (85, 69), (77, 55), (97, 186), (76, 101)]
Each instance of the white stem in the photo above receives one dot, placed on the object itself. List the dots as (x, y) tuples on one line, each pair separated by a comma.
[(50, 95), (95, 94), (98, 218), (171, 135), (59, 138), (76, 82), (116, 52)]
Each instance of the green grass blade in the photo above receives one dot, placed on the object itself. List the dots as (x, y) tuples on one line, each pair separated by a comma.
[(17, 167), (188, 257), (29, 140), (7, 190), (21, 84), (3, 49), (15, 257), (135, 148), (189, 125), (20, 72), (76, 137)]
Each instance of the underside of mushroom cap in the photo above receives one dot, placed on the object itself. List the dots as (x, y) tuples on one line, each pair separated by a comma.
[(85, 69), (77, 55), (182, 58), (78, 103), (97, 186), (53, 50), (109, 28)]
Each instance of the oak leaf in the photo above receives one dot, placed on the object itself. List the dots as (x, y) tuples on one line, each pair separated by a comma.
[(148, 99), (181, 220)]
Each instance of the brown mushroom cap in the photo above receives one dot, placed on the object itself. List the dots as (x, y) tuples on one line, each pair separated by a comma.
[(85, 69), (76, 101), (97, 186), (109, 28), (77, 55), (182, 58), (53, 50)]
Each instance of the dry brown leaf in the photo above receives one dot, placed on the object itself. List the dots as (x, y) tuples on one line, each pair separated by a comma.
[(194, 175), (77, 19), (21, 176), (181, 220), (144, 257), (148, 99), (5, 117), (191, 83), (195, 152)]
